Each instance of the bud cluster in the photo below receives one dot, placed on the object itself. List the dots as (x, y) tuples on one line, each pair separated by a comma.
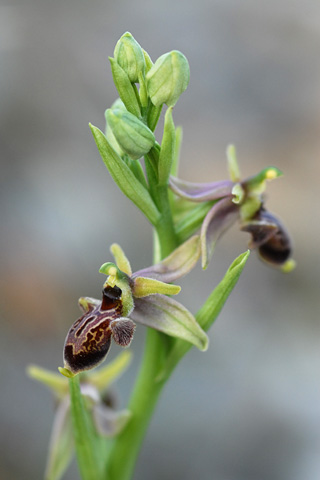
[(132, 123)]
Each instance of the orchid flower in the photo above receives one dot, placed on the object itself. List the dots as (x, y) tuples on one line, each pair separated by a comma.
[(133, 297), (239, 200), (101, 404)]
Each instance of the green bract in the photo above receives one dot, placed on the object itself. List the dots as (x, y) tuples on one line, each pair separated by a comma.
[(133, 136), (168, 78), (129, 55)]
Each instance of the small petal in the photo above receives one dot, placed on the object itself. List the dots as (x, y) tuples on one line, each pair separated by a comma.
[(122, 331), (170, 317), (200, 192), (121, 260), (221, 216), (176, 265), (108, 422), (143, 287)]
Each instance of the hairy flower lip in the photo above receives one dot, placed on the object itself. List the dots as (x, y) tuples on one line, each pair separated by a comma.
[(124, 299)]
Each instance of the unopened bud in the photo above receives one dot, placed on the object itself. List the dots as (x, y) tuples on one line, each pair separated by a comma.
[(168, 78), (129, 55), (132, 135)]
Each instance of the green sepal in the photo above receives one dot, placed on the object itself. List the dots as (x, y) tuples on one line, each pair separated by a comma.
[(167, 151), (147, 286), (124, 177), (125, 88)]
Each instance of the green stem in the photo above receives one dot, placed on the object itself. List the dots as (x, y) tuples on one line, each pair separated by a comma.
[(147, 387), (143, 401), (165, 228), (83, 434)]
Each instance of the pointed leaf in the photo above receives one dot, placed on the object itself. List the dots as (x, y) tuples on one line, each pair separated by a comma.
[(175, 164), (213, 305), (124, 177), (209, 311), (170, 317), (167, 148)]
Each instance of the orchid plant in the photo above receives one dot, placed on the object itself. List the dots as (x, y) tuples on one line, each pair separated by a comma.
[(187, 220)]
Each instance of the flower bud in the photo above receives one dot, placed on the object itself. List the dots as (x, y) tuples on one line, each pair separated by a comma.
[(132, 135), (129, 55), (118, 104), (168, 78)]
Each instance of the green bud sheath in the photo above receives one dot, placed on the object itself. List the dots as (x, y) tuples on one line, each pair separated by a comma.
[(133, 136), (168, 78), (129, 55)]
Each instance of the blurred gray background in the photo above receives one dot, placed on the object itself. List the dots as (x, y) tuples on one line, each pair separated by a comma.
[(249, 408)]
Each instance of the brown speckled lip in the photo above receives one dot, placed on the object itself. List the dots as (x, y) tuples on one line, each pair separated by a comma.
[(89, 338)]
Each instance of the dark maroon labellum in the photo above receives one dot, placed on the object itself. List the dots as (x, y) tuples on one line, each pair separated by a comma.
[(88, 340), (270, 237)]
